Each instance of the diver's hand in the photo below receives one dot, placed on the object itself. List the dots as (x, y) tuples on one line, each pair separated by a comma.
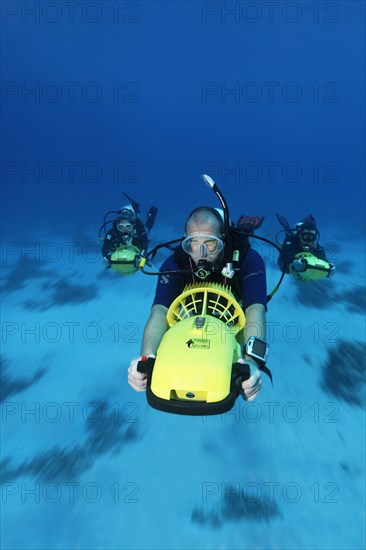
[(332, 270), (137, 380), (252, 386), (299, 265)]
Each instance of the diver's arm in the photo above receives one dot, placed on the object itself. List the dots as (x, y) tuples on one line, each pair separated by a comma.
[(155, 329), (111, 242), (255, 324), (254, 297), (106, 245)]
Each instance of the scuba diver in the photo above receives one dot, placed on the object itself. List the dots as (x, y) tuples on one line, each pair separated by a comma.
[(212, 251), (124, 242), (301, 244)]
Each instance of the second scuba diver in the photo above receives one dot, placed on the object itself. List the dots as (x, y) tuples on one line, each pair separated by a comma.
[(128, 230)]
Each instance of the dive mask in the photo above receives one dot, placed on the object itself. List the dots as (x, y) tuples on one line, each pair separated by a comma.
[(308, 236), (124, 227), (202, 246)]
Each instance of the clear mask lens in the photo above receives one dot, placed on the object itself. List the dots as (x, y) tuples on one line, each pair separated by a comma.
[(308, 236), (124, 227), (202, 246)]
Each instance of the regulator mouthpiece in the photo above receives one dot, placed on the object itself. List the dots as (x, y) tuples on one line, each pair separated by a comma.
[(204, 269)]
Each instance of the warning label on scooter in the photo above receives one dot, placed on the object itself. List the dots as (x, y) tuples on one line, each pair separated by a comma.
[(195, 343)]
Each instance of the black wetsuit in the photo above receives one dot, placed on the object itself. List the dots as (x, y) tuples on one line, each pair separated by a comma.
[(115, 239), (292, 246)]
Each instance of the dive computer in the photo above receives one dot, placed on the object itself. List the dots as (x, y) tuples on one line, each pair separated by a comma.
[(257, 348)]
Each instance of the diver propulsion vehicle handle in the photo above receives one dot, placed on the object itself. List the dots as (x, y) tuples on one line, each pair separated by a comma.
[(146, 365), (240, 373)]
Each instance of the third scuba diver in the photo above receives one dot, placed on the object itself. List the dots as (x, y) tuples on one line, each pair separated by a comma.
[(303, 238)]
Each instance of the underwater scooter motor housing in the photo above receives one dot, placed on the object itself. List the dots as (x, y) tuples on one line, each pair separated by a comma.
[(196, 371)]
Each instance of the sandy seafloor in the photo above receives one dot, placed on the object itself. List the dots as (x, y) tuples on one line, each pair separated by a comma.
[(88, 464)]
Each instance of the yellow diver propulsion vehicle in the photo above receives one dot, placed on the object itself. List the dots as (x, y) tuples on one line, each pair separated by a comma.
[(196, 370), (126, 259), (314, 268)]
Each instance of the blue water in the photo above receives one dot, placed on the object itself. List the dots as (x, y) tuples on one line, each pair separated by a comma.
[(101, 98)]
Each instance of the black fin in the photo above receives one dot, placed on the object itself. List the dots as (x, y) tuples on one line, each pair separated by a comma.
[(135, 205), (284, 223), (249, 223)]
